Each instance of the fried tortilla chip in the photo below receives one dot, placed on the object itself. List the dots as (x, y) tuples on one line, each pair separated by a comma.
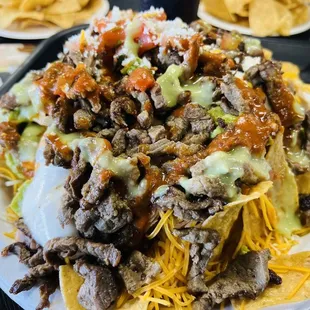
[(286, 20), (70, 283), (284, 193), (32, 5), (264, 17), (61, 7), (230, 214), (8, 16), (239, 7), (70, 19), (300, 14), (219, 9), (29, 23), (286, 292), (135, 304), (303, 183)]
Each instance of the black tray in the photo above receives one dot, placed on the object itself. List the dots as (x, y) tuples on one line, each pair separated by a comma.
[(295, 51)]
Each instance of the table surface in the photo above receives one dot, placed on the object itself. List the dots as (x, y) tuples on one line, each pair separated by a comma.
[(5, 302)]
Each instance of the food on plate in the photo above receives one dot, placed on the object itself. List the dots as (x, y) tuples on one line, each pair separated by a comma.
[(159, 165), (22, 14), (265, 18)]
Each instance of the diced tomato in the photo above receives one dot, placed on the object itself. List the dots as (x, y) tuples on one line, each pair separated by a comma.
[(113, 37), (146, 43), (140, 79), (230, 41)]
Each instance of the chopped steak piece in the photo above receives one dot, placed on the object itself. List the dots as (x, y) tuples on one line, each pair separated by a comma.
[(62, 114), (47, 288), (157, 97), (280, 97), (194, 111), (54, 156), (119, 142), (93, 190), (304, 209), (161, 147), (185, 209), (83, 120), (109, 216), (26, 238), (177, 127), (138, 271), (234, 94), (203, 242), (79, 175), (120, 107), (9, 136), (200, 138), (274, 278), (33, 277), (145, 117), (127, 238), (107, 133), (8, 101), (136, 137), (246, 276), (57, 249), (26, 256), (99, 290), (157, 133), (67, 209)]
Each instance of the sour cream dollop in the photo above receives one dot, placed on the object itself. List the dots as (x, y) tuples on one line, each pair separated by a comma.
[(42, 200)]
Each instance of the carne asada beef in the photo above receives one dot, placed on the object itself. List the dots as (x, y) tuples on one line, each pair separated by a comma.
[(185, 209), (246, 276), (119, 142), (62, 114), (57, 249), (9, 135), (136, 137), (47, 288), (138, 271), (234, 94), (79, 175), (109, 216), (94, 188), (99, 290), (274, 278), (29, 257), (67, 209), (157, 133), (159, 100), (83, 120), (26, 235), (203, 242), (145, 117), (199, 138), (280, 97), (127, 238), (304, 209), (120, 107), (8, 101), (34, 276), (177, 127)]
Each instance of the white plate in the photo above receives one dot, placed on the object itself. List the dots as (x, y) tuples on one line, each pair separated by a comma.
[(38, 33), (203, 14), (11, 270)]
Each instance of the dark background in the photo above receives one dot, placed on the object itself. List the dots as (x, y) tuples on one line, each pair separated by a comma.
[(295, 49)]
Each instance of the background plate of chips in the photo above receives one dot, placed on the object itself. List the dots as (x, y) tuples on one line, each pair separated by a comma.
[(21, 19), (256, 17)]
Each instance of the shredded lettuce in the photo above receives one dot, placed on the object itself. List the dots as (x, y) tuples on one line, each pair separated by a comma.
[(18, 198)]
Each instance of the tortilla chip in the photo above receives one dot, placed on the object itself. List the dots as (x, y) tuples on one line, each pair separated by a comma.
[(303, 183), (219, 9), (31, 5), (65, 6), (10, 3), (279, 294), (267, 53), (8, 16), (264, 17), (284, 193), (70, 283), (286, 19), (230, 215), (28, 23), (300, 14), (239, 7), (70, 19), (135, 304)]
